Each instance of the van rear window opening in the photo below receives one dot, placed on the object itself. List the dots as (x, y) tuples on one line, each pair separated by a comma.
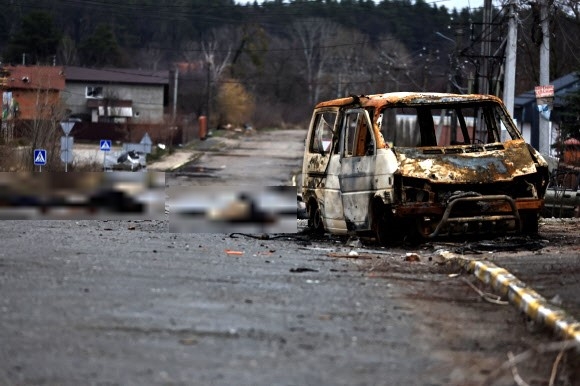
[(442, 126)]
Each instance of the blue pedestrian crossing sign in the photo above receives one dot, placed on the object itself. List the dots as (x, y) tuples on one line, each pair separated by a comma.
[(105, 144), (39, 157)]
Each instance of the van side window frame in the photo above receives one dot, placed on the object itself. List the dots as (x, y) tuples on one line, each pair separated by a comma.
[(320, 129), (350, 135)]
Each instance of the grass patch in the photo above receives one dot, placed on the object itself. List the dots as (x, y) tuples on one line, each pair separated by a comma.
[(159, 153)]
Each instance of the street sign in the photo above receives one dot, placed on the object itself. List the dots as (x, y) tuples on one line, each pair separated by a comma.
[(66, 143), (39, 157), (66, 156), (546, 91), (146, 142), (67, 127), (105, 145), (545, 100)]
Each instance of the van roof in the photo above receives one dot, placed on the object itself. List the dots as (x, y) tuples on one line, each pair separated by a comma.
[(407, 98)]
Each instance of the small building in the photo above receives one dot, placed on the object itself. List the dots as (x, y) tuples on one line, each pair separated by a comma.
[(31, 92), (116, 95), (528, 117)]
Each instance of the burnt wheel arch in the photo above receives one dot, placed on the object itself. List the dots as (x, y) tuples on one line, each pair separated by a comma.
[(383, 224), (315, 217)]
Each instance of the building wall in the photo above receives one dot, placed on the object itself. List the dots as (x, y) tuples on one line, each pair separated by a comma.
[(37, 104), (526, 130), (147, 99)]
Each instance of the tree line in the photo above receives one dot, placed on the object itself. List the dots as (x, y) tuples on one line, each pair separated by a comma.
[(283, 57)]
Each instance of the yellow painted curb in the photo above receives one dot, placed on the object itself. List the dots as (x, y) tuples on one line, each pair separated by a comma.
[(523, 297)]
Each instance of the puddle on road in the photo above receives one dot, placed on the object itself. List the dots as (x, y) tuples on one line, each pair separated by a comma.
[(197, 171), (244, 155)]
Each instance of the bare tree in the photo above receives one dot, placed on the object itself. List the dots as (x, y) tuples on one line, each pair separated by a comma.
[(564, 45), (44, 110), (316, 39), (190, 51), (350, 63), (394, 63), (282, 92), (150, 57), (67, 51), (571, 7), (43, 132), (214, 51)]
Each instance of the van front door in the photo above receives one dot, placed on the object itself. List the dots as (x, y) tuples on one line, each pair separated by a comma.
[(322, 166), (357, 168)]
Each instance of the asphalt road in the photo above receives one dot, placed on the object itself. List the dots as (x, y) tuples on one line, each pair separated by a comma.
[(127, 303), (269, 158)]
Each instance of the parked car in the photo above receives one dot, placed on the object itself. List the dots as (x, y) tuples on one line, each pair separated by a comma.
[(126, 161), (426, 164)]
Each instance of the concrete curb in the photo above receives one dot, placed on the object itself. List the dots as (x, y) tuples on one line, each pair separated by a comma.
[(177, 166), (522, 296), (192, 155), (173, 162), (192, 158)]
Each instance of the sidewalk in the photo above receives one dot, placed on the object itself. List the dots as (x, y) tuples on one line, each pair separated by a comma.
[(173, 161), (90, 153), (182, 156)]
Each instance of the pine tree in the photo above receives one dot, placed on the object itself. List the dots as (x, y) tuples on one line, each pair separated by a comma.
[(38, 39), (570, 126)]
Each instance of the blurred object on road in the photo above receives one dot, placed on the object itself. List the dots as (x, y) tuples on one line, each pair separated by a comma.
[(204, 209)]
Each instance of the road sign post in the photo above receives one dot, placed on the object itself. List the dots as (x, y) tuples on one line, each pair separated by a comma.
[(147, 143), (544, 97), (66, 151), (66, 155), (105, 146), (39, 158), (67, 127)]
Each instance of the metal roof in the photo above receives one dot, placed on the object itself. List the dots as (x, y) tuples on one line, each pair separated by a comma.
[(33, 77), (116, 75)]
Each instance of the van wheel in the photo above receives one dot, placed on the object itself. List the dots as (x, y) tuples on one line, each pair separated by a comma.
[(315, 219)]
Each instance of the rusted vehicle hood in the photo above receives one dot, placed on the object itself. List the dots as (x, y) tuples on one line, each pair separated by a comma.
[(466, 164)]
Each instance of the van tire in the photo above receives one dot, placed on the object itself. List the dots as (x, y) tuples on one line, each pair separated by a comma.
[(315, 219)]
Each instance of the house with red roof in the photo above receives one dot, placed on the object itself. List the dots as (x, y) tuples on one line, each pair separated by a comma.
[(31, 92)]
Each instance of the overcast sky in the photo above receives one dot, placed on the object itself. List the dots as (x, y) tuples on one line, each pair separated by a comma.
[(459, 4)]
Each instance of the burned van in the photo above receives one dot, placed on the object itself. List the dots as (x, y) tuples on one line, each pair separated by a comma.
[(426, 164)]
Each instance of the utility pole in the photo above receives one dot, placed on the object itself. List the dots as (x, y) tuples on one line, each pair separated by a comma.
[(483, 74), (485, 47), (175, 79), (509, 87), (209, 64), (427, 67), (544, 127)]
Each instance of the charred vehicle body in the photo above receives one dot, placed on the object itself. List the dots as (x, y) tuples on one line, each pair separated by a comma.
[(425, 164)]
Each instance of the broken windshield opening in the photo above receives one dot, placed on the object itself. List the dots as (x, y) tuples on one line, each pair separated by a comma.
[(442, 124), (323, 133)]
